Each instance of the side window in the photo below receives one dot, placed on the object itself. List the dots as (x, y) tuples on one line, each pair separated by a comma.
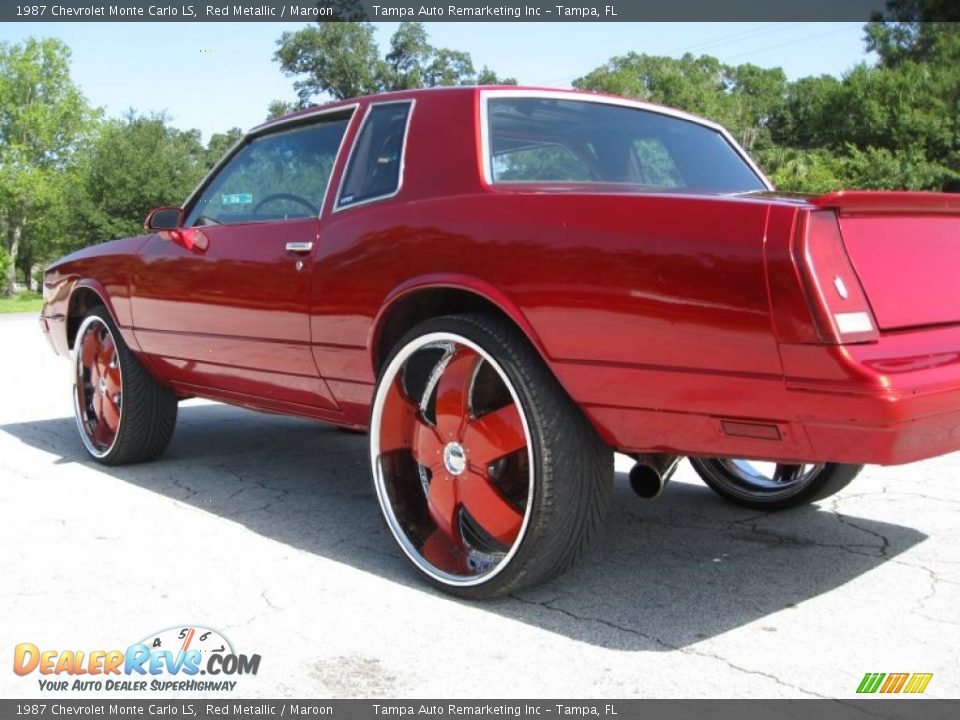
[(279, 176), (377, 157)]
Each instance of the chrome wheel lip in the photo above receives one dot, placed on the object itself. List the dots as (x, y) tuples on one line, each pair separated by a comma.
[(393, 523), (77, 411), (741, 477)]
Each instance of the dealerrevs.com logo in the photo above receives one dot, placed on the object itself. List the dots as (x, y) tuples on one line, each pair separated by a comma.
[(169, 660)]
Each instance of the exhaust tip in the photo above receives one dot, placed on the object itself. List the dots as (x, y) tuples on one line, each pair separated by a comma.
[(646, 481)]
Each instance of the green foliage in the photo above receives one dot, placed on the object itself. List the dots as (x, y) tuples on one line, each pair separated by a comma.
[(896, 125), (880, 168), (342, 60), (798, 170), (741, 98), (219, 144), (132, 165), (25, 301), (69, 179), (43, 118), (915, 30), (277, 108), (5, 262)]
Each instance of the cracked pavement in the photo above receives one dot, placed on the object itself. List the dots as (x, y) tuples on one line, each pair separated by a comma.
[(266, 529)]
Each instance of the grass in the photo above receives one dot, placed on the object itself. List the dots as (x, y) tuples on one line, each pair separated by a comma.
[(22, 302)]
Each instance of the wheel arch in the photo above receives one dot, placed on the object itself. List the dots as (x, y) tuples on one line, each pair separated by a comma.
[(433, 296), (86, 295)]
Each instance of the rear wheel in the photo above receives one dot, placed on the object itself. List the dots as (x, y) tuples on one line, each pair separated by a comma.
[(489, 477), (123, 414), (773, 486)]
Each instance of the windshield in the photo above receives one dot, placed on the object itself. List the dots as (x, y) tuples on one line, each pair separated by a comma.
[(575, 141)]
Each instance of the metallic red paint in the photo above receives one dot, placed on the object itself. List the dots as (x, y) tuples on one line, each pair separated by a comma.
[(664, 316)]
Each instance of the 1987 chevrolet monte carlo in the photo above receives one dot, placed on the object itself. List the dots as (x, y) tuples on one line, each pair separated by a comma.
[(505, 285)]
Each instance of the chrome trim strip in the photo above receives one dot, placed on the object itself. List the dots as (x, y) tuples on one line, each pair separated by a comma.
[(264, 129), (573, 96), (337, 207)]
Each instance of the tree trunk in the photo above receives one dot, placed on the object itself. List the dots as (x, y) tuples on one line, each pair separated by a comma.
[(3, 246), (15, 231), (25, 263)]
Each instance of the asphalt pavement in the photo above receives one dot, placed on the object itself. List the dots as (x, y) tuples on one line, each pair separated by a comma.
[(265, 529)]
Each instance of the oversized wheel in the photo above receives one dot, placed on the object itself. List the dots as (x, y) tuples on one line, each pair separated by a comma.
[(489, 477), (773, 486), (123, 414)]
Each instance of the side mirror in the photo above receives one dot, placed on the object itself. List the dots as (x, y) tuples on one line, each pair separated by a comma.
[(164, 218)]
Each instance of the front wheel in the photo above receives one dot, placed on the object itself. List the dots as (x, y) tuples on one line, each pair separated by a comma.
[(489, 477), (773, 486), (123, 414)]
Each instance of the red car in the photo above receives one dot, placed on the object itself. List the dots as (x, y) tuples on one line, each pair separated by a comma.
[(506, 285)]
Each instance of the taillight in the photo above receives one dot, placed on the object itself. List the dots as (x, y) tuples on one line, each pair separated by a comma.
[(836, 297)]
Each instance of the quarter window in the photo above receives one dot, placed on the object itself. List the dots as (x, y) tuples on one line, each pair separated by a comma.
[(377, 158), (279, 176)]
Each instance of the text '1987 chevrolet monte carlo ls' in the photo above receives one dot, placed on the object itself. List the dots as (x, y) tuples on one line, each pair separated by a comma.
[(506, 285)]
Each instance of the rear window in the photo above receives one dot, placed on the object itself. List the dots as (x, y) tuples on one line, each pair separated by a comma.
[(575, 141)]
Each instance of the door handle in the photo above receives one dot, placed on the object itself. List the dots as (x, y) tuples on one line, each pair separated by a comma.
[(299, 247)]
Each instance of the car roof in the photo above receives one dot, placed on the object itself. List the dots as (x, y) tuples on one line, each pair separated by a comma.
[(525, 90)]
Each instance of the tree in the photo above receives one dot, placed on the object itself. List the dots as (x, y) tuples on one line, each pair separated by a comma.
[(895, 125), (694, 84), (889, 126), (132, 165), (219, 144), (803, 120), (342, 60), (742, 98), (410, 53), (278, 108), (915, 30), (42, 117), (336, 58)]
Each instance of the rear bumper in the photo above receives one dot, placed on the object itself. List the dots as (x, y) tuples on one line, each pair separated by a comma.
[(887, 403), (890, 402), (887, 445)]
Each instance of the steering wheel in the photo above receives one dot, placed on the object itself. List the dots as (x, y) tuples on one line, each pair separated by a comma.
[(286, 196)]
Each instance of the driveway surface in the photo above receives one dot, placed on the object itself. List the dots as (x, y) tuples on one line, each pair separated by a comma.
[(265, 528)]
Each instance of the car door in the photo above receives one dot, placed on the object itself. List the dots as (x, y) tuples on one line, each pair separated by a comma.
[(224, 302)]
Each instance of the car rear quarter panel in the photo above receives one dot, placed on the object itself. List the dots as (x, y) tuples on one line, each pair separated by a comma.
[(633, 301)]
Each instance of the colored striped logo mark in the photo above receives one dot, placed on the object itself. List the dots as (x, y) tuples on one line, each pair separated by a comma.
[(894, 682)]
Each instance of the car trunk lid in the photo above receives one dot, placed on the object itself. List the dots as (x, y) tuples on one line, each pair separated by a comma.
[(905, 248)]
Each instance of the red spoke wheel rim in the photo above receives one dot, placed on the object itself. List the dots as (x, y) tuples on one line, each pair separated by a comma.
[(452, 459), (98, 386)]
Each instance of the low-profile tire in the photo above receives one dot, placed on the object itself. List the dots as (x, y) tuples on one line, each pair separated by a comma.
[(489, 477), (773, 486), (123, 414)]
